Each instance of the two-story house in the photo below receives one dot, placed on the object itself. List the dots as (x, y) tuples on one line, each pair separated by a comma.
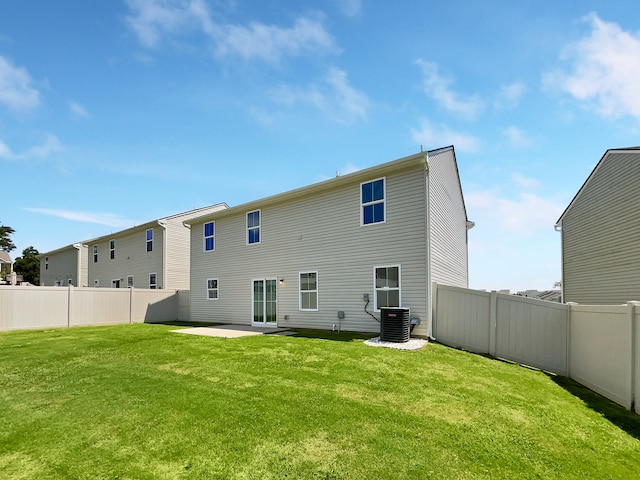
[(330, 255)]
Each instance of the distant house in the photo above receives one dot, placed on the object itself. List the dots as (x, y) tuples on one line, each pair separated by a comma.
[(6, 266), (330, 255), (153, 255), (600, 232), (65, 266)]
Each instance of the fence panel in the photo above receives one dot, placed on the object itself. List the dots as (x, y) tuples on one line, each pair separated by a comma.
[(151, 306), (462, 318), (33, 307), (184, 304), (99, 306), (600, 350), (532, 332), (636, 363)]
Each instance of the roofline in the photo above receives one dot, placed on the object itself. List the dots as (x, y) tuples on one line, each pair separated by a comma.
[(76, 245), (377, 170), (558, 224)]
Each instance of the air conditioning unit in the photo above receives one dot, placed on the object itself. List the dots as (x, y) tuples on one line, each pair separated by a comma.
[(395, 325)]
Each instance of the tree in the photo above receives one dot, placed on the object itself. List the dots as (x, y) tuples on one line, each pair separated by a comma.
[(28, 266), (6, 244)]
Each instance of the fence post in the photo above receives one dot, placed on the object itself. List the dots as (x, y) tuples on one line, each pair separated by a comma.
[(631, 306), (131, 305), (434, 309), (69, 303), (493, 323), (569, 320)]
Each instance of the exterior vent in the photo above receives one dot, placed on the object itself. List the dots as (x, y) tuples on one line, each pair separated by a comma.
[(394, 324)]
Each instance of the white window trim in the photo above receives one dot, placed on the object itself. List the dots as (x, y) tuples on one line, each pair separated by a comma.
[(155, 285), (132, 281), (112, 249), (204, 237), (217, 289), (317, 291), (375, 289), (95, 254), (259, 227), (383, 201)]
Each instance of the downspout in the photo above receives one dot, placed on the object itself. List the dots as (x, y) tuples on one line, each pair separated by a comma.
[(78, 246), (558, 228), (427, 244), (163, 225)]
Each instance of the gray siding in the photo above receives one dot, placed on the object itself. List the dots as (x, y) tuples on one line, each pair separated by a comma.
[(131, 258), (66, 264), (320, 232), (601, 235), (448, 221)]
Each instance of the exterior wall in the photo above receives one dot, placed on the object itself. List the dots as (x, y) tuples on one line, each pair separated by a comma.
[(601, 235), (319, 232), (178, 247), (448, 221), (63, 265), (131, 258)]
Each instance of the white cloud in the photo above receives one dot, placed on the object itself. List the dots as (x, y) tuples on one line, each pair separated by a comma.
[(270, 43), (50, 146), (350, 8), (509, 95), (438, 88), (523, 215), (16, 91), (151, 20), (335, 97), (516, 137), (434, 137), (603, 70), (108, 219), (78, 110), (524, 182)]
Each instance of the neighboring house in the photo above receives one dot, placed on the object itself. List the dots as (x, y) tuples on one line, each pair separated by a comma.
[(65, 266), (6, 266), (324, 255), (153, 255), (600, 232), (547, 295)]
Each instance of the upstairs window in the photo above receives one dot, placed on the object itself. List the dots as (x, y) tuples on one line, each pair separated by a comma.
[(253, 227), (112, 249), (309, 291), (372, 208), (46, 263), (95, 254), (386, 286), (150, 240), (209, 236)]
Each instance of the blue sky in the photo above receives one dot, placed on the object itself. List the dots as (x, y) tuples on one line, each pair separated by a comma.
[(114, 113)]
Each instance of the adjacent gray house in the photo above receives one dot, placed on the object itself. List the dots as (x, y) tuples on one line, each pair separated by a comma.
[(600, 232), (65, 266), (330, 255), (153, 255)]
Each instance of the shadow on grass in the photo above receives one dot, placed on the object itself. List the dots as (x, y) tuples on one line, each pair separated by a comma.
[(330, 335), (616, 414)]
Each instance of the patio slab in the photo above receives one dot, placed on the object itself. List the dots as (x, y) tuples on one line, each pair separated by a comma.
[(230, 331)]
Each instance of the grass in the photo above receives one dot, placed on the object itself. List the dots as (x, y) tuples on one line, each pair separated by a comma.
[(139, 402)]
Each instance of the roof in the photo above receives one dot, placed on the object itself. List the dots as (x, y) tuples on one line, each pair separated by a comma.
[(137, 228), (592, 174), (5, 257), (414, 160)]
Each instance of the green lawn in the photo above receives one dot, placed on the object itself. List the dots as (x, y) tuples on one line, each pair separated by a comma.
[(139, 402)]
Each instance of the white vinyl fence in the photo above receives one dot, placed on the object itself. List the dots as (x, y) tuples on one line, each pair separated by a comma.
[(47, 307), (598, 346)]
